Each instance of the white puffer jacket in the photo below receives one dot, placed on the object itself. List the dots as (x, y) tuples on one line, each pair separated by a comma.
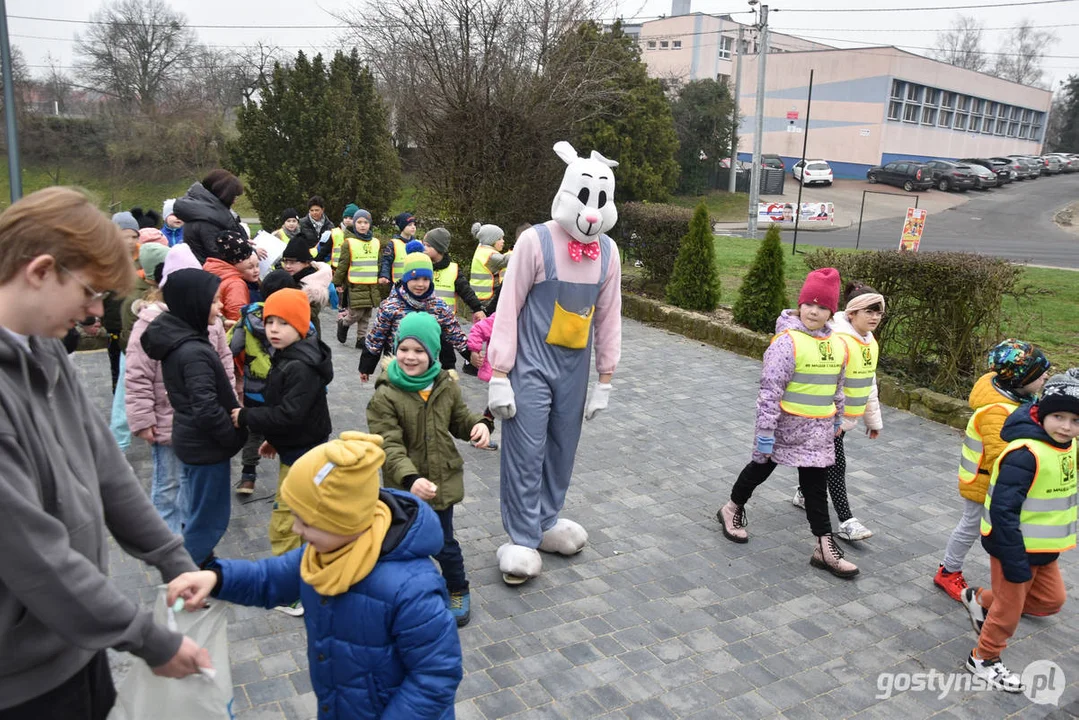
[(872, 417)]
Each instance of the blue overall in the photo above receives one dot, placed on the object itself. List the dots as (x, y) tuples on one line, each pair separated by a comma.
[(550, 383)]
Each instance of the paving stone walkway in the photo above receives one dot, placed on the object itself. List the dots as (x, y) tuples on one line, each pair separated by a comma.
[(660, 616)]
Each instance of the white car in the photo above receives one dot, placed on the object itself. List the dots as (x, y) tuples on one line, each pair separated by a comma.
[(816, 171)]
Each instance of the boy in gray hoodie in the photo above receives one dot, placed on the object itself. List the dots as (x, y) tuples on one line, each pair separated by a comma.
[(65, 482)]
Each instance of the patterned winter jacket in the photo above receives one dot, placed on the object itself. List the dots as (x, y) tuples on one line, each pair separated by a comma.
[(379, 340)]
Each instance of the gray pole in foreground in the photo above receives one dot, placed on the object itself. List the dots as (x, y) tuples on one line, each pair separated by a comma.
[(14, 173), (734, 114), (755, 180)]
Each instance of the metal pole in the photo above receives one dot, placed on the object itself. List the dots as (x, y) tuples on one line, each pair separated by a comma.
[(755, 179), (14, 173), (801, 184), (731, 187), (860, 213)]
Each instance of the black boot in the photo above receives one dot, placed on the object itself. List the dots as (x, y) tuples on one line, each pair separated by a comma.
[(342, 332)]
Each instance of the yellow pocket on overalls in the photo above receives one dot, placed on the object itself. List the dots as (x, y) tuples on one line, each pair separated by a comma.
[(570, 329)]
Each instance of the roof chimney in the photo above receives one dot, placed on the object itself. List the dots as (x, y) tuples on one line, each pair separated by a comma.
[(679, 7)]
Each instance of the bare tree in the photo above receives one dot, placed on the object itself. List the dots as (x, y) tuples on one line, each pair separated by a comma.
[(137, 51), (1021, 55), (962, 45), (56, 87)]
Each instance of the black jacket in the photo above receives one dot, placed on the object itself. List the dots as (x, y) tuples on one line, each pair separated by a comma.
[(295, 416), (462, 287), (204, 217), (1016, 474), (312, 236), (199, 390)]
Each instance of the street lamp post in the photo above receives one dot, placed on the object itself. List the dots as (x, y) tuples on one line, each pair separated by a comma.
[(755, 179)]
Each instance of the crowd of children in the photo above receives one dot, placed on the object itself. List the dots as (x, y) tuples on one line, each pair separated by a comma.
[(200, 388)]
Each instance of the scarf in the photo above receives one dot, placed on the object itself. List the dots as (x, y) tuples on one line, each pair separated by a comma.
[(363, 236), (413, 301), (335, 572), (410, 383)]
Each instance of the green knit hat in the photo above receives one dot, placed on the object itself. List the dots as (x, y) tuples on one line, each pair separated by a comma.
[(424, 329), (350, 210), (417, 263)]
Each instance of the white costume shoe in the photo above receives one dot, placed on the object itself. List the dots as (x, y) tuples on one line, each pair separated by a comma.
[(518, 563), (565, 538)]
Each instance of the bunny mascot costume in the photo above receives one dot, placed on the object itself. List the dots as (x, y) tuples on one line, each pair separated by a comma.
[(561, 294)]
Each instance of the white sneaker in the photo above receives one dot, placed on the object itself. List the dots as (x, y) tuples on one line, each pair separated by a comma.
[(995, 674), (294, 610), (977, 612), (798, 500), (851, 530)]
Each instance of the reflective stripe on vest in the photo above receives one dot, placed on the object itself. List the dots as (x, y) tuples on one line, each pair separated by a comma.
[(445, 284), (363, 269), (1050, 513), (817, 364), (481, 279), (861, 369), (973, 449), (338, 237), (399, 254)]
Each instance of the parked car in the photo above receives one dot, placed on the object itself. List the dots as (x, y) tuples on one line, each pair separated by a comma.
[(984, 177), (740, 165), (948, 175), (908, 175), (999, 168), (816, 171), (770, 160), (1030, 168), (1068, 163), (1021, 172)]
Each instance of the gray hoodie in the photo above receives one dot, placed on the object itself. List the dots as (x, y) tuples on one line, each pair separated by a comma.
[(65, 483)]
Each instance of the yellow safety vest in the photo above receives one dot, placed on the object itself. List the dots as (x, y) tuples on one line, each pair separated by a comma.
[(363, 269), (279, 233), (445, 280), (399, 254), (1049, 515), (338, 237), (481, 279), (861, 369), (817, 364), (973, 448)]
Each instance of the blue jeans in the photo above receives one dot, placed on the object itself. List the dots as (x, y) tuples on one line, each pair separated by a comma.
[(166, 487), (208, 492), (450, 558), (118, 420)]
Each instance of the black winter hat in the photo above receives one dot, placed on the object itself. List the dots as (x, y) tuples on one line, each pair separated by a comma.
[(1060, 394), (233, 247), (277, 280), (289, 213), (297, 249)]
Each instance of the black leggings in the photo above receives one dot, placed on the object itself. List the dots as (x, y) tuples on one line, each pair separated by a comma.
[(837, 482), (87, 695), (813, 482)]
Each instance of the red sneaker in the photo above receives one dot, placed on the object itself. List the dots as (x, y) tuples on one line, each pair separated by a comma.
[(952, 583)]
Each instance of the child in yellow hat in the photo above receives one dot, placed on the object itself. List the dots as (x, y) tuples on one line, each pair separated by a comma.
[(379, 634)]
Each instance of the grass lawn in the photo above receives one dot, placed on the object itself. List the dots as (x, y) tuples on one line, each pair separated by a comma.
[(723, 206), (123, 192), (1048, 320)]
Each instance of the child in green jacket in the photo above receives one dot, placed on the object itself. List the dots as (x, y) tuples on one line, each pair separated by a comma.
[(418, 409)]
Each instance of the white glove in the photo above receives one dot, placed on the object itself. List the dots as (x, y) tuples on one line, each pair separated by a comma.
[(601, 395), (500, 399)]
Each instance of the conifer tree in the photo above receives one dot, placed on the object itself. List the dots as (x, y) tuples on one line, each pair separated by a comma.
[(694, 284), (763, 294)]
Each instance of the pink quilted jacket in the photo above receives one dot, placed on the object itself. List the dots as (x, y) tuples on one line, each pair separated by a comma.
[(146, 401), (478, 337)]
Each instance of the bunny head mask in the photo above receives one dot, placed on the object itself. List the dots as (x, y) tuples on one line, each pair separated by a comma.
[(584, 205)]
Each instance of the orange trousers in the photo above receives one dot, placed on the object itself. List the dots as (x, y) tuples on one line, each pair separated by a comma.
[(1043, 594)]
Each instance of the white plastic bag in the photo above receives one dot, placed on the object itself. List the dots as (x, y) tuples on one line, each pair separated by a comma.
[(197, 697)]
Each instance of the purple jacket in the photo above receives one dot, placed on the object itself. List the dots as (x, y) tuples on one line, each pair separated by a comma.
[(800, 441)]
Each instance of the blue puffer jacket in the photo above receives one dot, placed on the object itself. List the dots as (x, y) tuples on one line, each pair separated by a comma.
[(388, 648)]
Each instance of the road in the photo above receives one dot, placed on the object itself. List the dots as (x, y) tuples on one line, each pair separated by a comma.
[(1014, 222)]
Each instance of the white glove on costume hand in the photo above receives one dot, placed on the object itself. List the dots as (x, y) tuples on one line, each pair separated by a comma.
[(601, 395), (500, 399)]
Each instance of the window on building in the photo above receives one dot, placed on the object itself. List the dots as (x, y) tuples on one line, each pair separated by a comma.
[(677, 44), (987, 128), (1028, 115), (1013, 129), (1036, 132), (929, 116), (895, 110), (725, 45), (898, 88), (964, 103), (651, 44), (910, 113), (1002, 111), (991, 108), (948, 100), (946, 118), (975, 123), (932, 96), (1017, 112), (979, 105), (961, 121), (1002, 127), (1024, 131), (664, 45), (914, 93)]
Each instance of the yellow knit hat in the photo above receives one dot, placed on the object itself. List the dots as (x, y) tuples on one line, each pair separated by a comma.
[(334, 487)]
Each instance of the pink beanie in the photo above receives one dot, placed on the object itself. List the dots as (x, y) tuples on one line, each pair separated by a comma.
[(821, 288), (152, 235)]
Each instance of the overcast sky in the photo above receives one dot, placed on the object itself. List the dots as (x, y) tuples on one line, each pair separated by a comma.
[(39, 38)]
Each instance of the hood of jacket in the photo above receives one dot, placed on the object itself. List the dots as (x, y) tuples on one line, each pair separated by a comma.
[(310, 351), (1021, 425), (412, 533), (985, 392), (840, 324), (789, 320), (148, 311), (320, 275), (199, 204), (189, 295), (166, 333), (222, 269)]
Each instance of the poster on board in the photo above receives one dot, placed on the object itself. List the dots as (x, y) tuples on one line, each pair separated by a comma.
[(913, 227), (783, 212)]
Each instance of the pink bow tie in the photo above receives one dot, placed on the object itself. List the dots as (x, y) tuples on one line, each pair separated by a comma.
[(577, 248)]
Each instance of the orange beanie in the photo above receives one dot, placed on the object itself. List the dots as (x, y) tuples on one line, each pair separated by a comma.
[(292, 306)]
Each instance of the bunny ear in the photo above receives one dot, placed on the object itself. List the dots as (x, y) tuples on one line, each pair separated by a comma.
[(565, 151), (605, 161)]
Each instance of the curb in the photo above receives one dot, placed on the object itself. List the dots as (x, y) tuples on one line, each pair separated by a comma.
[(922, 402)]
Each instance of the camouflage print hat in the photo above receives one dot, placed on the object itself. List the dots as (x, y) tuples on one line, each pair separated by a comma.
[(1017, 363)]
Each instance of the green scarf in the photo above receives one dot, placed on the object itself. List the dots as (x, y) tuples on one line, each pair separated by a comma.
[(410, 383)]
